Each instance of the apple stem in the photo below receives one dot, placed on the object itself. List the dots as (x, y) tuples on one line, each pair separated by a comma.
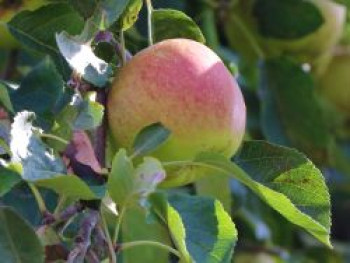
[(149, 21)]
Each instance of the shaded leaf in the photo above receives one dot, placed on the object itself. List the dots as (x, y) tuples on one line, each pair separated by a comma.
[(112, 9), (85, 8), (36, 30), (9, 178), (18, 241), (149, 138), (276, 18), (22, 200), (289, 102), (38, 93), (169, 23)]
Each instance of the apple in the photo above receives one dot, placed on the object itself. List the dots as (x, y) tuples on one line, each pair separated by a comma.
[(334, 84), (8, 9), (185, 86), (243, 34), (323, 39)]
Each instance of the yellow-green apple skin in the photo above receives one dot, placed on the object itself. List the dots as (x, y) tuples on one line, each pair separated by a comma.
[(305, 49), (323, 39), (334, 84), (185, 86), (9, 9)]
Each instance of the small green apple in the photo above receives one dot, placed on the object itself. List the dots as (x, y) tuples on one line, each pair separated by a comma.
[(334, 84), (243, 34), (323, 39), (185, 86), (8, 9)]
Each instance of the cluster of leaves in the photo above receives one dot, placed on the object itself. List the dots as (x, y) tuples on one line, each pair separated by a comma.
[(95, 209)]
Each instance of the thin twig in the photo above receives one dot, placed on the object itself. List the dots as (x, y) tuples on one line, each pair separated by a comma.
[(112, 254), (39, 199), (149, 21), (54, 137), (118, 225), (123, 50)]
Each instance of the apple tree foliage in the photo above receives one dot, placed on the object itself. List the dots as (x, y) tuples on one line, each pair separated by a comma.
[(68, 194)]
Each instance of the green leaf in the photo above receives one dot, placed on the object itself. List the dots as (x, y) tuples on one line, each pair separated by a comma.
[(36, 30), (288, 19), (111, 10), (290, 105), (90, 115), (71, 186), (135, 227), (39, 92), (82, 59), (121, 179), (5, 127), (4, 148), (18, 241), (37, 160), (85, 8), (80, 114), (217, 187), (130, 14), (9, 178), (199, 226), (295, 176), (283, 178), (149, 138), (168, 23), (127, 185), (147, 177), (22, 200), (5, 100)]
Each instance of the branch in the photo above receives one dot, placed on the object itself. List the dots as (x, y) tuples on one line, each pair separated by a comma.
[(83, 240)]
